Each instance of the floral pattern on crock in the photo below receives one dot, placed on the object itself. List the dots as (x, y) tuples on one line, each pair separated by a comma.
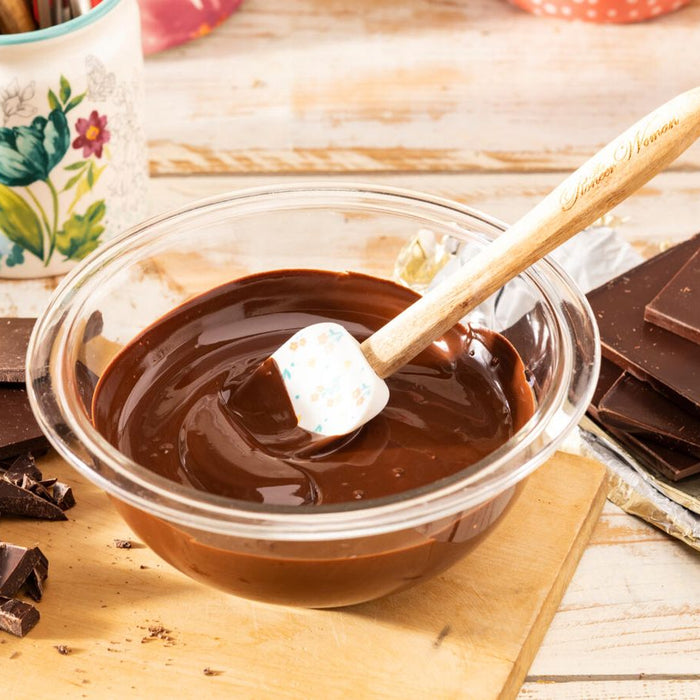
[(30, 156), (15, 101)]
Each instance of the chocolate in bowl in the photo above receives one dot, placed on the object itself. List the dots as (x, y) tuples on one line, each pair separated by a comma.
[(313, 555)]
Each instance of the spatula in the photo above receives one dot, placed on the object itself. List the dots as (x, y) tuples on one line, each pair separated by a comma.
[(332, 384)]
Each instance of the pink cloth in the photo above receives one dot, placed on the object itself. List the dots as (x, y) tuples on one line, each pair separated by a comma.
[(166, 23)]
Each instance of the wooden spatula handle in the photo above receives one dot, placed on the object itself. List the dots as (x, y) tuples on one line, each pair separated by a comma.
[(615, 172)]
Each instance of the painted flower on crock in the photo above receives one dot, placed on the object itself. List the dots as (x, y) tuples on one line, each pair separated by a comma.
[(92, 134), (29, 153), (15, 100)]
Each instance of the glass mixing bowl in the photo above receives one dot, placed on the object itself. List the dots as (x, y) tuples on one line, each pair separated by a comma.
[(315, 556)]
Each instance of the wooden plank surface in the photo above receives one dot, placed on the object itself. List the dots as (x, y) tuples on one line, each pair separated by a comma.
[(471, 632), (461, 85)]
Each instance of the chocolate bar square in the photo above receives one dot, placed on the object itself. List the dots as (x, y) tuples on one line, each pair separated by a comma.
[(677, 306)]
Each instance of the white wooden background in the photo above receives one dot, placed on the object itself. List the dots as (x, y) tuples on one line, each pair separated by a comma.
[(478, 101)]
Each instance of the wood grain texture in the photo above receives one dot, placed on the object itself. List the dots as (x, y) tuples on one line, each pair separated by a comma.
[(324, 85), (640, 688), (453, 637), (664, 211)]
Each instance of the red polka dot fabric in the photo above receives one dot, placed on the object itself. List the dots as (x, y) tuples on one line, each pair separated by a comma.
[(601, 10)]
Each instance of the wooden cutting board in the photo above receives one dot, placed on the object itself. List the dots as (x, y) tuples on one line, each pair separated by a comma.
[(138, 628)]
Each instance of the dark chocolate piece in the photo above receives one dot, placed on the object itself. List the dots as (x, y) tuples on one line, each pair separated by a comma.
[(650, 353), (677, 306), (14, 500), (63, 495), (14, 338), (671, 463), (17, 617), (93, 326), (34, 585), (609, 374), (637, 408), (36, 487), (19, 467), (20, 566), (19, 431), (16, 563)]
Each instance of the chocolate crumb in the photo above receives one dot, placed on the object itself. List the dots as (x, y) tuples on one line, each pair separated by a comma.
[(62, 649), (441, 636), (158, 632), (211, 672)]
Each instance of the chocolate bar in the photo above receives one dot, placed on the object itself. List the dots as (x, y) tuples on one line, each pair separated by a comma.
[(648, 352), (17, 617), (637, 408), (673, 464), (19, 431), (677, 306), (14, 338)]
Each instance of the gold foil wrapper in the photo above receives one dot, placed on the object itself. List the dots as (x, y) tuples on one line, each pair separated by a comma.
[(422, 258)]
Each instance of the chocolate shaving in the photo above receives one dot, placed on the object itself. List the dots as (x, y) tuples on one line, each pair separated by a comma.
[(17, 617)]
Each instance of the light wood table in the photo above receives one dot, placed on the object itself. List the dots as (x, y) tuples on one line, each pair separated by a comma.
[(480, 102)]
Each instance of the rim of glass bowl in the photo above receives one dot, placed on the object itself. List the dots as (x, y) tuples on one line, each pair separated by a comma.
[(139, 487)]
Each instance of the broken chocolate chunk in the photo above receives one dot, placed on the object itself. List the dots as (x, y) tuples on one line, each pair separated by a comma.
[(20, 566), (677, 306), (637, 408), (34, 584), (16, 563), (18, 467), (19, 431), (17, 617), (14, 338), (14, 500), (63, 495), (648, 352)]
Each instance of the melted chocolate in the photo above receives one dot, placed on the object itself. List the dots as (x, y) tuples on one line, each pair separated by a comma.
[(166, 399)]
